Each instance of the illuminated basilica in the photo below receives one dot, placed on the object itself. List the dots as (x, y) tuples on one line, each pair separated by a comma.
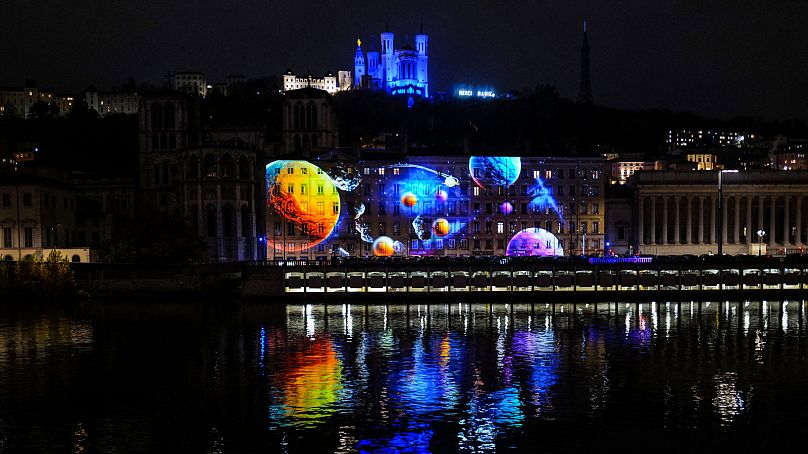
[(401, 71)]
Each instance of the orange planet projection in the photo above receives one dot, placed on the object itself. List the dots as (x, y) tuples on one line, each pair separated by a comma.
[(409, 199), (302, 194), (383, 246), (440, 227)]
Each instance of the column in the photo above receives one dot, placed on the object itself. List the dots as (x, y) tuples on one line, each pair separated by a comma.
[(676, 229), (748, 220), (665, 220), (701, 219), (799, 220), (760, 213), (713, 226), (689, 230), (786, 221), (640, 222), (653, 220), (724, 219), (772, 223), (736, 236)]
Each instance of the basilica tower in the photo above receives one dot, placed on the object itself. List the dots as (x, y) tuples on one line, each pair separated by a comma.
[(359, 64), (421, 46)]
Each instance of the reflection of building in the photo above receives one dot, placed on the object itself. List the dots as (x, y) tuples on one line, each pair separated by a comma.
[(308, 121), (677, 212), (402, 71), (409, 200), (192, 83), (207, 176)]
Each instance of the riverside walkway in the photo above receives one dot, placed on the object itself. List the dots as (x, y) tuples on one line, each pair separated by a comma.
[(480, 278)]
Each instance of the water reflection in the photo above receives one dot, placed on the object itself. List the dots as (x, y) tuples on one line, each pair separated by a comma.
[(418, 378)]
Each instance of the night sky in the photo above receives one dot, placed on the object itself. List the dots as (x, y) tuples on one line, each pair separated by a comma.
[(719, 58)]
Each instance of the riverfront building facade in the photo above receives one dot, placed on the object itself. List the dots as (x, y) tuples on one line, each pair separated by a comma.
[(434, 206), (759, 212)]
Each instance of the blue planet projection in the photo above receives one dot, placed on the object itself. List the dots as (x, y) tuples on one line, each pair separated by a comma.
[(491, 171), (534, 242)]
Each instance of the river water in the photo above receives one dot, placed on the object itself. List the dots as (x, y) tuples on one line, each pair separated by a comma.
[(227, 377)]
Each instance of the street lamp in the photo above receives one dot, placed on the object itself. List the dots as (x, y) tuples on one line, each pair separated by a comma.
[(760, 233), (721, 210)]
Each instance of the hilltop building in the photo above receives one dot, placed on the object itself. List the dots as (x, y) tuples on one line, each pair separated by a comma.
[(402, 71)]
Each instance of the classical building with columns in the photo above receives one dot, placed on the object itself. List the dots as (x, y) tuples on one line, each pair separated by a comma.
[(680, 212)]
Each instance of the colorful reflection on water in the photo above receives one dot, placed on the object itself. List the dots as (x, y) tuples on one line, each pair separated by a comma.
[(449, 377)]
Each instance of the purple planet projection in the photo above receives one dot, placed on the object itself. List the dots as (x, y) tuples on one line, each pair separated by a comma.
[(534, 242), (441, 195), (506, 208)]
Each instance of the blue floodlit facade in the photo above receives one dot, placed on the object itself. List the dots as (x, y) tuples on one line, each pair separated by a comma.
[(402, 71), (435, 206)]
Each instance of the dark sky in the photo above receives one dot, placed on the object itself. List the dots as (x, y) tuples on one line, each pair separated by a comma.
[(715, 57)]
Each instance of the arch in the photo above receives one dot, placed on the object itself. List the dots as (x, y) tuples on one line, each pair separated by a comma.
[(210, 220), (246, 224), (243, 167), (227, 166), (156, 111), (168, 116), (8, 258), (75, 259), (210, 166), (228, 223), (193, 167)]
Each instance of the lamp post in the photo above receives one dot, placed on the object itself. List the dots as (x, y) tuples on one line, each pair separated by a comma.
[(760, 233), (721, 210)]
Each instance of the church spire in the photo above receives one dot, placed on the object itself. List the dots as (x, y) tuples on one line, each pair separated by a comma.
[(585, 87)]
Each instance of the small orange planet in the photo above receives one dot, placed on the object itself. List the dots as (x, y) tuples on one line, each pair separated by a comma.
[(383, 246), (409, 199), (440, 227)]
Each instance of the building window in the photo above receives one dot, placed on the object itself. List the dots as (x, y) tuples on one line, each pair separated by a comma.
[(500, 227), (595, 227), (29, 237), (621, 233), (7, 242), (595, 208), (335, 208), (27, 200), (6, 200)]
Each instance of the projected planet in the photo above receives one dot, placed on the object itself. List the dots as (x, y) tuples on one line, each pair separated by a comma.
[(409, 199), (506, 208), (534, 241), (490, 171), (383, 246), (440, 227), (302, 194), (441, 195)]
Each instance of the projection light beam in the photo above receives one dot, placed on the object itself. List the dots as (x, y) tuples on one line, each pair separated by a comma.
[(448, 180)]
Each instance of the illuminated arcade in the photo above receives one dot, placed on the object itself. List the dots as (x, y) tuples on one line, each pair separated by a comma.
[(434, 206)]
